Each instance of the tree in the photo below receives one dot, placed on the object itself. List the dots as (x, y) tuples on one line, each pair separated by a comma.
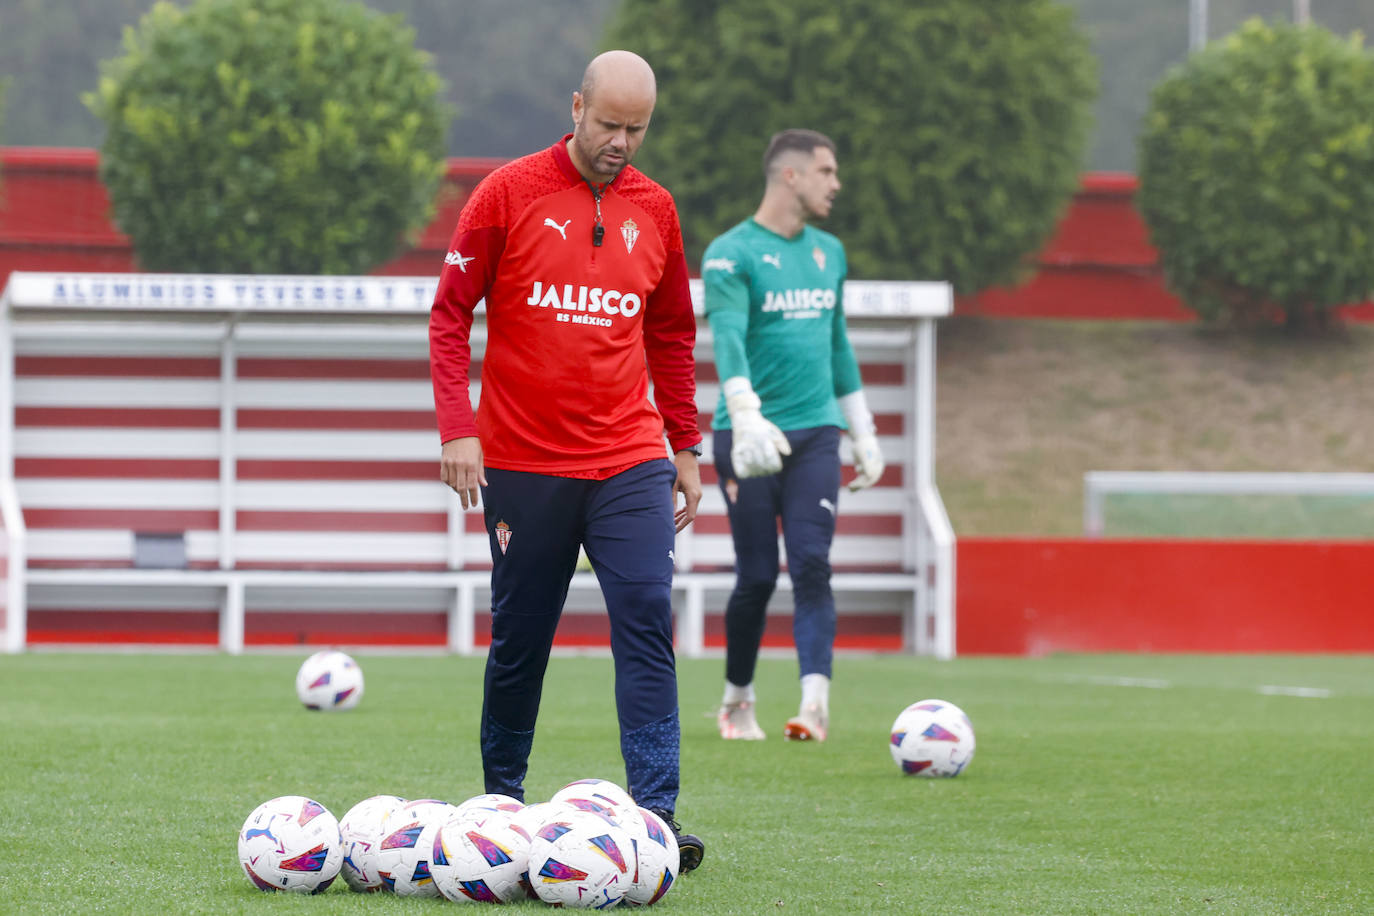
[(1135, 44), (51, 51), (270, 136), (1257, 175), (511, 66), (960, 126)]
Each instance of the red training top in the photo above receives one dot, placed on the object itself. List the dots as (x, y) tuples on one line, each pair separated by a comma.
[(570, 325)]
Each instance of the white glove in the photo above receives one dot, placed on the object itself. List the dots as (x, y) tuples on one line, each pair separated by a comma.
[(863, 434), (758, 445)]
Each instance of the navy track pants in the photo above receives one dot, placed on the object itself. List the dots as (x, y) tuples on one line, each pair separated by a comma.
[(536, 523), (804, 495)]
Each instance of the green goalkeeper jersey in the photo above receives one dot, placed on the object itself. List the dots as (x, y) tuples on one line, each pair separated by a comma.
[(777, 318)]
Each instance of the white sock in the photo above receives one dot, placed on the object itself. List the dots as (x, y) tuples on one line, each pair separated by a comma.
[(815, 691), (736, 694)]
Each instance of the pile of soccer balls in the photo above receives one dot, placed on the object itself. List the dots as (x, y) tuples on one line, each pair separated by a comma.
[(588, 846)]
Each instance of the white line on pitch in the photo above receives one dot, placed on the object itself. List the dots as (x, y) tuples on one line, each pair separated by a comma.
[(1320, 693), (1151, 682)]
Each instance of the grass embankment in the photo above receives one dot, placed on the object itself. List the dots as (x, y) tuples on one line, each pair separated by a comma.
[(1025, 408)]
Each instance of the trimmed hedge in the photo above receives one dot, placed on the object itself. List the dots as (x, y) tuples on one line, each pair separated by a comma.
[(270, 136), (1257, 175)]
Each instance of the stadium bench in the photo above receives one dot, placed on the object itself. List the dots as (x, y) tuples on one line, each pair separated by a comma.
[(248, 479)]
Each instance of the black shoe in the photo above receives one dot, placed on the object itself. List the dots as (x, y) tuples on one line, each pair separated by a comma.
[(690, 849)]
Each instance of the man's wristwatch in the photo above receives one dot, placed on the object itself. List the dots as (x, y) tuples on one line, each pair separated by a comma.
[(694, 449)]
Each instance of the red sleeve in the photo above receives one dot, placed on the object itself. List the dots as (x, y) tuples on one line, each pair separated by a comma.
[(467, 274), (670, 333)]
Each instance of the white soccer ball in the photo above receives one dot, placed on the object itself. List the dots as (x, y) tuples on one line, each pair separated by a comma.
[(600, 796), (932, 738), (581, 859), (407, 840), (531, 817), (528, 820), (361, 829), (329, 680), (481, 856), (491, 800), (291, 843), (657, 859)]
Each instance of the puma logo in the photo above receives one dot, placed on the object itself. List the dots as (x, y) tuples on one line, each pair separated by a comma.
[(562, 230), (775, 260)]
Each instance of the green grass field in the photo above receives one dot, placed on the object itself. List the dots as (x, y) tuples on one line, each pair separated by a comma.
[(1102, 784)]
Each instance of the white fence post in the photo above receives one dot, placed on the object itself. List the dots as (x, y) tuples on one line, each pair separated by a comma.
[(228, 447), (232, 614), (16, 569)]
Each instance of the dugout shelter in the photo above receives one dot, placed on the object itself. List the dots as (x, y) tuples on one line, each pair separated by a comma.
[(250, 461)]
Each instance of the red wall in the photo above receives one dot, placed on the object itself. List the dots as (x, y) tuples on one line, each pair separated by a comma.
[(1099, 264), (1030, 597), (54, 215)]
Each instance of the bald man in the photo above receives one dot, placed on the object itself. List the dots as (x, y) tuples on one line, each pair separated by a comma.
[(579, 258)]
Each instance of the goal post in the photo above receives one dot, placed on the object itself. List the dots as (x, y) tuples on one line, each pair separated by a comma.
[(1230, 503)]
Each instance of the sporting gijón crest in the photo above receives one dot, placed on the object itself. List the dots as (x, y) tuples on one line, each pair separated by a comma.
[(503, 533)]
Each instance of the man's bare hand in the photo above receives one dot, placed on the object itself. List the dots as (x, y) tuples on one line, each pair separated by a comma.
[(461, 468), (688, 483)]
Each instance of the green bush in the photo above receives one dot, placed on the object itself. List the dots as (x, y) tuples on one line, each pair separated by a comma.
[(1257, 175), (270, 136), (960, 126)]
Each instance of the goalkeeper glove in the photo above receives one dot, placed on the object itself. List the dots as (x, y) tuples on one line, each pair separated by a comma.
[(863, 435), (758, 445)]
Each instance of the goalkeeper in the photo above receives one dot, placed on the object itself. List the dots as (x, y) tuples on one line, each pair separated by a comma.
[(789, 385)]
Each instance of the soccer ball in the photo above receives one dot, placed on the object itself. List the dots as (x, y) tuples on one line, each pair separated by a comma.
[(407, 839), (492, 800), (932, 738), (291, 843), (531, 817), (528, 820), (329, 680), (657, 854), (481, 856), (581, 859), (361, 829), (600, 796)]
